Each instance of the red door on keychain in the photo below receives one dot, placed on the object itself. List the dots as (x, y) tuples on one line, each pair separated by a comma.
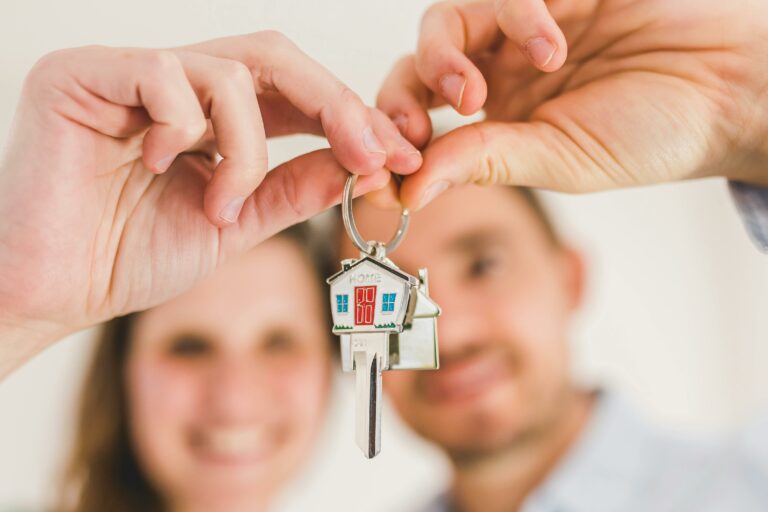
[(365, 304)]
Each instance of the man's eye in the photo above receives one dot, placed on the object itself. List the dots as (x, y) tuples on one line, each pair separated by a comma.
[(190, 346), (279, 341), (482, 266)]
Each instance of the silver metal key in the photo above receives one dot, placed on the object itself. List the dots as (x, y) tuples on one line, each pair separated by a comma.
[(368, 352), (385, 319)]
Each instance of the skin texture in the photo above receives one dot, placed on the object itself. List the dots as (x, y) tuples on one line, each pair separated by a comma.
[(502, 405), (650, 91), (226, 390), (110, 187)]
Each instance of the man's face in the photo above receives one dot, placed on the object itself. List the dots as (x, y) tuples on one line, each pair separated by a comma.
[(507, 295)]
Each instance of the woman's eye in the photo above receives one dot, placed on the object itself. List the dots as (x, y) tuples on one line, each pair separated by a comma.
[(189, 346), (482, 266), (279, 341)]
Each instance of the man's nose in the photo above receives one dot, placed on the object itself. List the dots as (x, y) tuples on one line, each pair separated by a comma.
[(460, 327)]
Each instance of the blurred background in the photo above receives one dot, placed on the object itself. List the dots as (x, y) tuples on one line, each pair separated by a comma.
[(677, 309)]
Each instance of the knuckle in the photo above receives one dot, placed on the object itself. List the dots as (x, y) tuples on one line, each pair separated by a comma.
[(162, 62), (236, 74), (491, 168), (331, 114), (51, 63), (273, 38), (48, 63), (347, 96), (404, 63), (440, 15), (435, 11), (195, 128), (52, 69)]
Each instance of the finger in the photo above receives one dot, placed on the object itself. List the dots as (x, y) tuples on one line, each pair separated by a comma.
[(111, 119), (387, 197), (291, 193), (535, 154), (278, 65), (529, 24), (153, 80), (282, 118), (450, 33), (402, 157), (225, 92), (405, 99)]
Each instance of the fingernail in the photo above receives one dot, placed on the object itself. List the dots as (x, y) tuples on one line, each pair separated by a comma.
[(163, 164), (406, 146), (433, 191), (540, 50), (452, 88), (401, 121), (371, 142), (231, 212)]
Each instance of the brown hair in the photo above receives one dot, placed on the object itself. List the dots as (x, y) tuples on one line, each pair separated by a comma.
[(103, 472)]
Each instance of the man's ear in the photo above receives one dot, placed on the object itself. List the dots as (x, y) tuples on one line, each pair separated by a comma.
[(574, 275)]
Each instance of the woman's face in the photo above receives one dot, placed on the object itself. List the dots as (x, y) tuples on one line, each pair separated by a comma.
[(227, 384)]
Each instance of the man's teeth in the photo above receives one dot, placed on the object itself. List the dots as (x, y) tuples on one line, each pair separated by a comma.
[(235, 441)]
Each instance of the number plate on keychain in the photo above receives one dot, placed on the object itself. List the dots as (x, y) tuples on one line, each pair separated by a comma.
[(385, 319)]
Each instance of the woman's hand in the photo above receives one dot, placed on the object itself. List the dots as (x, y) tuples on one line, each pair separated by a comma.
[(113, 199), (651, 91)]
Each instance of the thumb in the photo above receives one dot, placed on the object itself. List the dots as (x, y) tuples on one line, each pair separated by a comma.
[(533, 154), (531, 26)]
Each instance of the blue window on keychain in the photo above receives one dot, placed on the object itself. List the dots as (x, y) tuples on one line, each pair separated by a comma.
[(342, 303), (388, 304)]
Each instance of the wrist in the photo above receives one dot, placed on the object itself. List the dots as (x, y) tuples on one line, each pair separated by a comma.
[(22, 340)]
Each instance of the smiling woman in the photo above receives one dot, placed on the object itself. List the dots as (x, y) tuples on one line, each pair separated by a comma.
[(212, 400)]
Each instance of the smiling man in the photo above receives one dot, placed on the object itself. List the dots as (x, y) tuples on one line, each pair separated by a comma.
[(520, 434)]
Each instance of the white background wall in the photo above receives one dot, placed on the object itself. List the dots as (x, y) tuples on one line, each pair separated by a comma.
[(677, 313)]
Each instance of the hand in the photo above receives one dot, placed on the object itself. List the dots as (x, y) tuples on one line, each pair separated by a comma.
[(112, 198), (651, 91)]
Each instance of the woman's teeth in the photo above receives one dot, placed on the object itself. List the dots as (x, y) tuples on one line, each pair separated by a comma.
[(235, 441)]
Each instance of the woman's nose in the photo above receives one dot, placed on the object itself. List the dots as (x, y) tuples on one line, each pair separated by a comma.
[(235, 390)]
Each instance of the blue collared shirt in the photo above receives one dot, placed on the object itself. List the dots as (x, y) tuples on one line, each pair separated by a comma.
[(623, 464), (752, 203)]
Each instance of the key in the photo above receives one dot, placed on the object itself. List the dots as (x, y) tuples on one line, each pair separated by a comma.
[(385, 319), (368, 352)]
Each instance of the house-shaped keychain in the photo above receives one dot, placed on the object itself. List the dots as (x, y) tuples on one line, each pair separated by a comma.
[(375, 297)]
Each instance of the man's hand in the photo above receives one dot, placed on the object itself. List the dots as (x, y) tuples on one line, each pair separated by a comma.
[(113, 199), (651, 91)]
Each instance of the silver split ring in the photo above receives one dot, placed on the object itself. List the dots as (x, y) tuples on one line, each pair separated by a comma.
[(371, 248)]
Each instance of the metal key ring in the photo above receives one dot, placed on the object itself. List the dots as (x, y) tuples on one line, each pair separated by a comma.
[(371, 248)]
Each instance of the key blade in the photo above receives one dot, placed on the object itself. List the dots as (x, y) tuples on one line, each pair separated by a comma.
[(368, 402)]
